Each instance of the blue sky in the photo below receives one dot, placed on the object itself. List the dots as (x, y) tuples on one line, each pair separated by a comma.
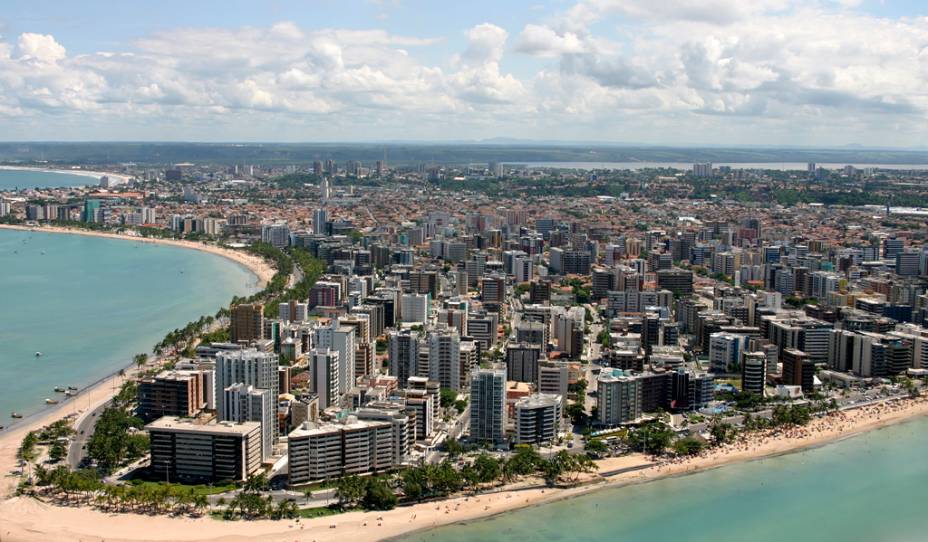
[(678, 72)]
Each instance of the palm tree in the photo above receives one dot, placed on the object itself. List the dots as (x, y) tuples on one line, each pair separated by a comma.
[(200, 503)]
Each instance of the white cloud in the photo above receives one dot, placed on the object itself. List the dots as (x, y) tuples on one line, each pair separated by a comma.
[(635, 70), (545, 42), (485, 44)]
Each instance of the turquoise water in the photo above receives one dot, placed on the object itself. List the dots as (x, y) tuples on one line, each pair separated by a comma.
[(868, 488), (11, 179), (90, 304)]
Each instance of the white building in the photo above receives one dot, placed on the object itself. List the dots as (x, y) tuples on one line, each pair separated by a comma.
[(538, 418), (333, 450)]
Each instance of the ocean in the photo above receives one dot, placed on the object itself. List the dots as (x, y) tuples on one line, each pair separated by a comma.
[(871, 487), (89, 304), (12, 179)]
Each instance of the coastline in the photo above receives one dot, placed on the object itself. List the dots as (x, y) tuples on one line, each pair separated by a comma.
[(104, 389), (256, 265), (78, 172), (29, 519)]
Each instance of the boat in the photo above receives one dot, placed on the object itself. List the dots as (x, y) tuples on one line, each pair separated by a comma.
[(60, 389), (72, 388), (38, 354), (51, 401), (70, 393), (15, 414)]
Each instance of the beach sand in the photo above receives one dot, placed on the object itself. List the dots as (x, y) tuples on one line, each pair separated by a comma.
[(257, 265), (32, 520), (96, 175), (91, 397)]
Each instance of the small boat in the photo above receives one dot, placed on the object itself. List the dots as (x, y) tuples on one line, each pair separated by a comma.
[(51, 401), (60, 389), (72, 388), (15, 414), (70, 393), (38, 354)]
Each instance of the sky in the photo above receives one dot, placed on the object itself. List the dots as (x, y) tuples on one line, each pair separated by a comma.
[(823, 73)]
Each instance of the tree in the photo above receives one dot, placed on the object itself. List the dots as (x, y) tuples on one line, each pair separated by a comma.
[(448, 397), (596, 447), (525, 461), (349, 490), (257, 483), (140, 360), (454, 447), (27, 449), (113, 441), (721, 432), (488, 468), (579, 388), (652, 437), (688, 446), (378, 496), (576, 413)]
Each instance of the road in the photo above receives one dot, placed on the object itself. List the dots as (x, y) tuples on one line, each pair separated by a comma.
[(83, 428)]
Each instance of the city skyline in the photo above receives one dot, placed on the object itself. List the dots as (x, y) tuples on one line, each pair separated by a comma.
[(772, 73)]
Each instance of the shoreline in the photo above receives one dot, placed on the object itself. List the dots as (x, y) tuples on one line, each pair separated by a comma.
[(30, 519), (103, 389), (254, 264), (77, 172)]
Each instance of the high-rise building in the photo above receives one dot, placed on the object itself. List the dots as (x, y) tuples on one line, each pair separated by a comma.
[(403, 352), (248, 367), (247, 323), (329, 451), (678, 281), (190, 451), (323, 376), (292, 311), (276, 234), (342, 339), (91, 211), (414, 308), (320, 218), (488, 406), (725, 352), (522, 362), (554, 379), (798, 369), (172, 393), (444, 348), (753, 372), (702, 170), (618, 398), (245, 403), (538, 418)]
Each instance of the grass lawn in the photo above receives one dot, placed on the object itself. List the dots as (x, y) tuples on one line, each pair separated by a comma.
[(321, 512), (199, 489)]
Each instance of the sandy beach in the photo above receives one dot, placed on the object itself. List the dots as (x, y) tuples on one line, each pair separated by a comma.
[(102, 391), (257, 265), (30, 519), (80, 172)]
